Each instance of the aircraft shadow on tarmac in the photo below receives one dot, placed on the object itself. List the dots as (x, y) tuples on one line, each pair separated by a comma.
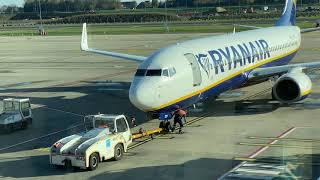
[(220, 107), (108, 97), (304, 166), (38, 166), (61, 112)]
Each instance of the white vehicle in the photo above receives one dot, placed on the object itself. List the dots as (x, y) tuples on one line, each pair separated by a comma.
[(107, 137), (16, 114), (188, 72)]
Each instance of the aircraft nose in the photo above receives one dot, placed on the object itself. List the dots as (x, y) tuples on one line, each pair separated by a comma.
[(142, 96)]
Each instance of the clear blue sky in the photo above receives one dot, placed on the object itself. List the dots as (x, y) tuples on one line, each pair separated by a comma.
[(10, 2)]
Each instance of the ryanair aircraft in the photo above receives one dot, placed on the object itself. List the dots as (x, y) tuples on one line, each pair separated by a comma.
[(183, 74)]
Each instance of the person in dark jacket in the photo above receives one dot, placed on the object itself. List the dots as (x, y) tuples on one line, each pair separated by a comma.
[(178, 115)]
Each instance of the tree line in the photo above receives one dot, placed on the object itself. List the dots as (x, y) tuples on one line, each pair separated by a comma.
[(70, 5), (96, 5)]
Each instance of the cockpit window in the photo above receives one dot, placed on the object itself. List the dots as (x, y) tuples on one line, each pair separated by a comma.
[(172, 71), (165, 72), (141, 72), (154, 72)]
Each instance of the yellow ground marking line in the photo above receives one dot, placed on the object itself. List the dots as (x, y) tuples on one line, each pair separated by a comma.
[(285, 139), (315, 49), (164, 137), (145, 139), (46, 149), (223, 80), (139, 143), (277, 145)]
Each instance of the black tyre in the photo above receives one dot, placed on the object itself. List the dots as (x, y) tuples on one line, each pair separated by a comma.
[(168, 126), (93, 161), (24, 125), (118, 152), (9, 128), (29, 120), (58, 166), (273, 97), (162, 125)]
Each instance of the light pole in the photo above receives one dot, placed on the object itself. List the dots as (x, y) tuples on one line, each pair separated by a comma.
[(166, 19), (40, 13)]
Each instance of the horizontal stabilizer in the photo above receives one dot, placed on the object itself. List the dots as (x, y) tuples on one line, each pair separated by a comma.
[(310, 30), (247, 26)]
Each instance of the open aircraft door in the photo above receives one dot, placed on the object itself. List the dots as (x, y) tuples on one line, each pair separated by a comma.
[(197, 78)]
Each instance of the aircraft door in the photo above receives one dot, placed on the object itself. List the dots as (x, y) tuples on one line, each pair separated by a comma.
[(197, 78)]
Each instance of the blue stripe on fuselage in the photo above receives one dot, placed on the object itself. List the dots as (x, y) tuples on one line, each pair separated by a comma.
[(232, 83)]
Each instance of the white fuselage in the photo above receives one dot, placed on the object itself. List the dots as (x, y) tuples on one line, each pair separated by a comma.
[(184, 73)]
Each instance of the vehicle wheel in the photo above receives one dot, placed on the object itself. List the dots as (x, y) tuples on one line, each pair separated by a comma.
[(29, 120), (273, 97), (162, 125), (118, 152), (93, 161), (24, 125), (9, 128), (168, 126), (58, 166)]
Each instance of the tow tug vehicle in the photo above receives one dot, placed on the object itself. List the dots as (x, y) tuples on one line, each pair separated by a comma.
[(106, 137), (16, 114)]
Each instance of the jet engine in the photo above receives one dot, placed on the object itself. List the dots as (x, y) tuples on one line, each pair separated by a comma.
[(292, 87)]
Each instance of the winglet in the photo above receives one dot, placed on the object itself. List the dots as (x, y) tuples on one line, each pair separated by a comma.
[(84, 39)]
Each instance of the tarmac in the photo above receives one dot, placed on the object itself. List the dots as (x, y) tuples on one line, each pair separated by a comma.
[(242, 133)]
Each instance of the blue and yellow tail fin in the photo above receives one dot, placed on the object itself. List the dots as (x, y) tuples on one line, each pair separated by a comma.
[(288, 17)]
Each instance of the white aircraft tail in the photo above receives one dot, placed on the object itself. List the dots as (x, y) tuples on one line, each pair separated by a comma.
[(84, 39)]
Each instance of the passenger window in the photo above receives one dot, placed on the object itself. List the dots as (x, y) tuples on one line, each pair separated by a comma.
[(165, 72), (121, 125)]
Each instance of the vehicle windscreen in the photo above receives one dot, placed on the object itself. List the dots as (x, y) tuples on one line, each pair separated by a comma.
[(10, 106), (104, 123)]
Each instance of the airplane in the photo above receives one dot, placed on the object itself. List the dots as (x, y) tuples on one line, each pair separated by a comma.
[(183, 74)]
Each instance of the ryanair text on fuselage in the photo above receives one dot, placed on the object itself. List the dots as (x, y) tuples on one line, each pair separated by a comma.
[(232, 56)]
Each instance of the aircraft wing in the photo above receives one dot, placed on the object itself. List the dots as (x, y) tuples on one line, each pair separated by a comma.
[(247, 26), (85, 47), (276, 70)]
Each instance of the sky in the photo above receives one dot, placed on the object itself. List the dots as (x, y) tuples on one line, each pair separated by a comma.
[(10, 2)]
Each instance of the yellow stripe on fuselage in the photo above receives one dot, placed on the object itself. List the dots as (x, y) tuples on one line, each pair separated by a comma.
[(223, 80), (306, 92)]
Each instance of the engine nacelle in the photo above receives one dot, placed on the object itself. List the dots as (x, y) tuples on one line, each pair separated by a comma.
[(292, 87)]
